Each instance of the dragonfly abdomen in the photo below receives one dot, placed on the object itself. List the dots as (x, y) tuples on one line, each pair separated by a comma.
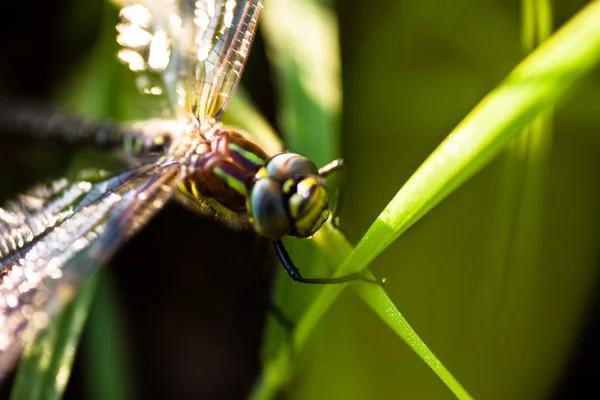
[(142, 140), (30, 119)]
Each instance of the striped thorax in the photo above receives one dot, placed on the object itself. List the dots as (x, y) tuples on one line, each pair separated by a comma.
[(282, 195)]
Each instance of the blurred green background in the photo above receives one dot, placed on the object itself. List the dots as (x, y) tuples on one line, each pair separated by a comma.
[(501, 298), (503, 320)]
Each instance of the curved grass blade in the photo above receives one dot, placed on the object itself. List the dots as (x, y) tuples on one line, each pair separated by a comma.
[(110, 375), (309, 80), (45, 368), (536, 85)]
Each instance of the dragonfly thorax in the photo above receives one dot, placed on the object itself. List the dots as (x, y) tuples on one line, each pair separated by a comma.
[(287, 198), (221, 170)]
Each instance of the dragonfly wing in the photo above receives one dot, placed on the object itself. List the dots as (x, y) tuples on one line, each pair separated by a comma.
[(198, 47), (50, 248), (224, 33)]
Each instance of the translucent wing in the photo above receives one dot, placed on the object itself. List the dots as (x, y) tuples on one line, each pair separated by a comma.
[(224, 34), (53, 237), (198, 48)]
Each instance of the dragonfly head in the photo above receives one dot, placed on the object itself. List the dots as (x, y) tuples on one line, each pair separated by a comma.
[(288, 198)]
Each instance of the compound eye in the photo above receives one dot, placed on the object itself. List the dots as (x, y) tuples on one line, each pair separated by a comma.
[(290, 165), (308, 207), (267, 206)]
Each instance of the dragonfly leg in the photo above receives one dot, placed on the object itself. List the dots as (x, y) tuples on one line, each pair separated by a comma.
[(220, 142), (295, 274), (335, 166)]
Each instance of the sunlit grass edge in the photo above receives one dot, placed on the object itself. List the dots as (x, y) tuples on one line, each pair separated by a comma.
[(533, 88), (310, 117), (45, 367)]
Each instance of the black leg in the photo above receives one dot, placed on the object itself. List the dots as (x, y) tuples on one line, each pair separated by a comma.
[(294, 273)]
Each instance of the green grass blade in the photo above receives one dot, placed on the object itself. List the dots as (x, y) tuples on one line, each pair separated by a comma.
[(379, 301), (334, 247), (109, 374), (45, 367), (308, 72), (538, 83)]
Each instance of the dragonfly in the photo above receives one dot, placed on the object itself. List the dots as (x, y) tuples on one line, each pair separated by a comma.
[(191, 53)]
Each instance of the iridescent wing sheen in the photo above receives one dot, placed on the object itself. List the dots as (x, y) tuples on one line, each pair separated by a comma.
[(224, 33), (53, 237), (198, 48)]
